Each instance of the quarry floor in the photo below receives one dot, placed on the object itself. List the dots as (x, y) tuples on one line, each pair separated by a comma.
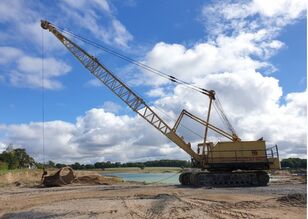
[(130, 200)]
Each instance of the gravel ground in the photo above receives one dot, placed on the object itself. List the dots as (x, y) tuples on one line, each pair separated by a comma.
[(154, 201)]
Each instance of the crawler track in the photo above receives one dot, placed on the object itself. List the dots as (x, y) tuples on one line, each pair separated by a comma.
[(224, 179)]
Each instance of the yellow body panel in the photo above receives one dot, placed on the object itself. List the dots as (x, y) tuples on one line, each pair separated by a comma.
[(243, 151), (274, 163)]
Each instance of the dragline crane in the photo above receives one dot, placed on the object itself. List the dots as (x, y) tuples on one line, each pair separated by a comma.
[(227, 163)]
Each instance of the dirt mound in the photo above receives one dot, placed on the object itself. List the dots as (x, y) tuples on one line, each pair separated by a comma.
[(281, 173), (27, 178), (32, 178), (294, 199), (96, 180)]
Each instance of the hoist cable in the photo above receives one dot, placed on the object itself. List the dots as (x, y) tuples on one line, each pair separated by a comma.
[(217, 103), (128, 59), (43, 99), (141, 65), (222, 115)]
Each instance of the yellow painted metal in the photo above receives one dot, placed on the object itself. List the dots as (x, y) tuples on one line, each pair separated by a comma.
[(232, 137), (274, 163), (207, 126), (185, 146), (243, 151)]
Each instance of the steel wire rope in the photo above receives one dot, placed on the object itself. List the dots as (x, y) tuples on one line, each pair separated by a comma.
[(224, 116), (158, 108), (126, 58), (164, 178), (43, 98), (146, 67), (219, 114)]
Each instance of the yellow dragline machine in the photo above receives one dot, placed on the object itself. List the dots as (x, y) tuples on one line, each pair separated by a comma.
[(225, 163)]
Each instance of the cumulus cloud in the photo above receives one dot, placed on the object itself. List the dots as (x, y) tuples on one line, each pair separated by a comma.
[(97, 135), (29, 72), (101, 135), (29, 136), (234, 63), (26, 71), (233, 17), (112, 107)]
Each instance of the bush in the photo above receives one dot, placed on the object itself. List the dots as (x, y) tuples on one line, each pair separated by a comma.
[(3, 165), (294, 163)]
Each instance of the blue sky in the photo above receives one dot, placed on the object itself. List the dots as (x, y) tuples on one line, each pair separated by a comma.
[(253, 53)]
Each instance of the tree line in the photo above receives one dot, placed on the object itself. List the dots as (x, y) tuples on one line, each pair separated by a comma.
[(141, 165), (18, 158), (294, 163)]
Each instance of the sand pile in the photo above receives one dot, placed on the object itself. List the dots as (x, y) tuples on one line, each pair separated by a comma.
[(32, 178), (96, 179), (281, 173)]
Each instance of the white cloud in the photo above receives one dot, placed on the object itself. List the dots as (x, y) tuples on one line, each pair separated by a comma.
[(29, 72), (29, 136), (9, 54), (96, 16), (112, 107), (121, 35), (189, 64), (97, 135), (14, 11), (156, 92), (102, 4), (286, 9), (232, 17), (2, 147), (93, 83), (26, 71), (103, 26)]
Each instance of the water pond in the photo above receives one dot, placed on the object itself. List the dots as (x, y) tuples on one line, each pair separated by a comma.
[(167, 178)]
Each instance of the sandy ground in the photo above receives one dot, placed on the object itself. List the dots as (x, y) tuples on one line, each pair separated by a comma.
[(153, 201)]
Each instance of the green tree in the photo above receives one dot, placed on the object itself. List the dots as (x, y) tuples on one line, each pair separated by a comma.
[(141, 166), (51, 164), (3, 165), (60, 165), (294, 163), (76, 166), (16, 158), (23, 158), (10, 159)]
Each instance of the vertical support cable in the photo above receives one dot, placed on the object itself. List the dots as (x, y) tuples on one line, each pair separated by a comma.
[(43, 101)]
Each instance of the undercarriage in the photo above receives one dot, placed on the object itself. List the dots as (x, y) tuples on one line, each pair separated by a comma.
[(224, 179)]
